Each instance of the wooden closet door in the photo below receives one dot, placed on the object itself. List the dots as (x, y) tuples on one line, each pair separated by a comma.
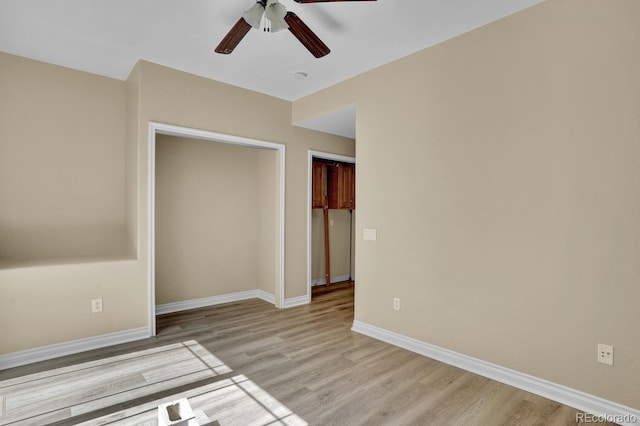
[(348, 187), (342, 190), (318, 185)]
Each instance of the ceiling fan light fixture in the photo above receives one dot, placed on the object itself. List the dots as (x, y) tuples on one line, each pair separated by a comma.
[(253, 15), (275, 13), (271, 16), (277, 25)]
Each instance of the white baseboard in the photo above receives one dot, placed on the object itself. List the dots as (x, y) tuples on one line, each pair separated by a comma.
[(266, 296), (43, 353), (562, 394), (226, 298), (168, 308), (337, 279), (297, 301)]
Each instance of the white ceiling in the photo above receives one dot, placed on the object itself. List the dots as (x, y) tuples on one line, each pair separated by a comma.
[(107, 37)]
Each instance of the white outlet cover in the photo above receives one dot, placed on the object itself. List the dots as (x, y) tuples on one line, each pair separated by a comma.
[(605, 354)]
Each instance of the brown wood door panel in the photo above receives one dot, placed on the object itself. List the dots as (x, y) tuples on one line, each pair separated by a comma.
[(318, 185), (342, 191)]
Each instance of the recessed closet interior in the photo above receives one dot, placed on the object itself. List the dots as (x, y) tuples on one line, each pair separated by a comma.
[(215, 219)]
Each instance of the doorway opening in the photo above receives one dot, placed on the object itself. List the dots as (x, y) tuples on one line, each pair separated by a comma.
[(273, 232), (339, 223)]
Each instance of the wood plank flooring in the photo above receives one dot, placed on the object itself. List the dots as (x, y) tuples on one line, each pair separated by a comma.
[(249, 363)]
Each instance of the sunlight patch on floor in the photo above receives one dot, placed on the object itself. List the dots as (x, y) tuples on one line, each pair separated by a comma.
[(80, 389), (233, 401), (83, 388)]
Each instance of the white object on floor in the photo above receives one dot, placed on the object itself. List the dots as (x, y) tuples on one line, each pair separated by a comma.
[(176, 413)]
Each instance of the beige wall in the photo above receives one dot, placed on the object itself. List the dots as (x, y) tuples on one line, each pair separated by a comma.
[(96, 190), (208, 218), (61, 163), (49, 304), (339, 244), (512, 152), (174, 97), (131, 175), (62, 207), (268, 221)]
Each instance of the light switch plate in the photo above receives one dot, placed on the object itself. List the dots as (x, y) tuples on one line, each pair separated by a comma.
[(370, 234)]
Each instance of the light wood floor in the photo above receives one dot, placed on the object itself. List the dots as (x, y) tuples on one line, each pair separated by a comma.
[(249, 363)]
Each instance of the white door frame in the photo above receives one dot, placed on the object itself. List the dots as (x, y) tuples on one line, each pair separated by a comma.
[(324, 156), (171, 130)]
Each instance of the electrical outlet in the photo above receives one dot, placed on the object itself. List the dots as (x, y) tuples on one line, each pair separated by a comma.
[(96, 306), (396, 304), (605, 354)]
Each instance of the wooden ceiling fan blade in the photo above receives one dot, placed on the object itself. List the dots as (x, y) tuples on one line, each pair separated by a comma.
[(233, 37), (307, 37), (324, 1)]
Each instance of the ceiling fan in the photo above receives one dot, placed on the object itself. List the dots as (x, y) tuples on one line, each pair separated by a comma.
[(272, 16)]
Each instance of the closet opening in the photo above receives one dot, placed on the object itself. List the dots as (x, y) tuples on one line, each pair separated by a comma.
[(216, 219)]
